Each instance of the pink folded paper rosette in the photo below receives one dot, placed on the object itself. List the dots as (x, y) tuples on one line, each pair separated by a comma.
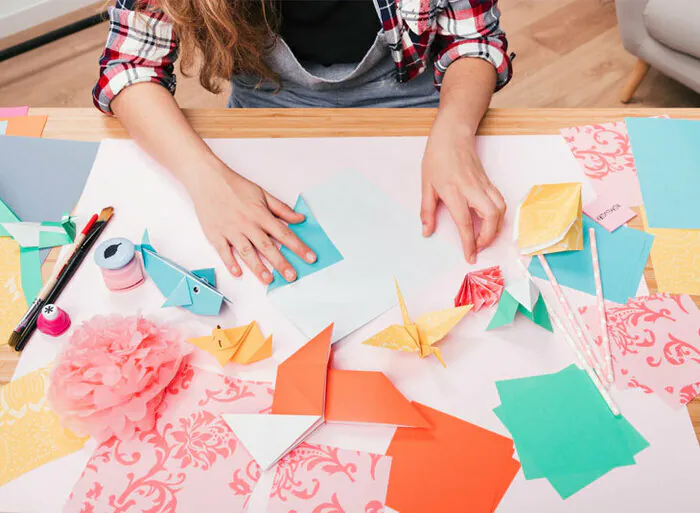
[(481, 288)]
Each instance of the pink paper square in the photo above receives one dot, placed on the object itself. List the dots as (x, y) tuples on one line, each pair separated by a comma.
[(610, 214), (190, 461), (13, 112), (317, 478), (655, 345)]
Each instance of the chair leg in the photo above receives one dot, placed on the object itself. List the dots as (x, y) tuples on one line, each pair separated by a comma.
[(638, 73)]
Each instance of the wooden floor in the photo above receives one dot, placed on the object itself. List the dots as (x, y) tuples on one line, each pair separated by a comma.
[(569, 54)]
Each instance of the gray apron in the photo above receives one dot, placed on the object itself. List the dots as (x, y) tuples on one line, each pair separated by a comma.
[(369, 83)]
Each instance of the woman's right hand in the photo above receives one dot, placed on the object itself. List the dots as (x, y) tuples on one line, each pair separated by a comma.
[(238, 216)]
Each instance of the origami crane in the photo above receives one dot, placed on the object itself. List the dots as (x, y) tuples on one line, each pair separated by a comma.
[(194, 291), (243, 345), (550, 220), (309, 394), (419, 337)]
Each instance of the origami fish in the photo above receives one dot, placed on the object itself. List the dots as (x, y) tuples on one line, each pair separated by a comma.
[(194, 291)]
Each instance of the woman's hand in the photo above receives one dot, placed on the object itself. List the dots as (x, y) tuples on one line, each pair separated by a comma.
[(452, 173), (237, 215)]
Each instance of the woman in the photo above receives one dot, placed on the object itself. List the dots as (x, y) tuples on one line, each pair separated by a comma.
[(323, 53)]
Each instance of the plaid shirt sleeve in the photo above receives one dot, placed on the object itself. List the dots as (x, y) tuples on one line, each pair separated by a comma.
[(470, 28), (141, 47)]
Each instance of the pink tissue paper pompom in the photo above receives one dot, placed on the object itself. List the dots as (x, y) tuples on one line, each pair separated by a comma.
[(111, 378)]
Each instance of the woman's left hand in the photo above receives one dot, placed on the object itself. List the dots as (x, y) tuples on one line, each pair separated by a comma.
[(452, 173)]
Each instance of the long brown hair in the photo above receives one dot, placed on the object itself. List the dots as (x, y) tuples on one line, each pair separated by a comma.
[(225, 36)]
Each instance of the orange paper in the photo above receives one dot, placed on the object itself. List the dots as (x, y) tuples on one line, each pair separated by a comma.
[(300, 388), (26, 126), (453, 466), (368, 397)]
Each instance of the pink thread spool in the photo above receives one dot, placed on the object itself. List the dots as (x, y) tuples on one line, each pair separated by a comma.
[(121, 269), (52, 321)]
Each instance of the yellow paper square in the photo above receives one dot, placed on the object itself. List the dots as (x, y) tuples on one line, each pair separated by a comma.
[(30, 433), (675, 255), (550, 219), (12, 303)]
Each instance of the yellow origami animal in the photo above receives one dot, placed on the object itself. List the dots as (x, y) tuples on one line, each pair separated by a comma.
[(244, 344), (420, 336)]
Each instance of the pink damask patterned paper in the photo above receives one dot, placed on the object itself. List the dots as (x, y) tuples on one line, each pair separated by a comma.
[(190, 460), (605, 154), (655, 345), (321, 479)]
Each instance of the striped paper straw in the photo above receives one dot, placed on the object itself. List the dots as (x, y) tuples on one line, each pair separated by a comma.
[(605, 346), (572, 320), (577, 352)]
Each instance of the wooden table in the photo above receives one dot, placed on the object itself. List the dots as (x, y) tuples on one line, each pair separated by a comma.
[(90, 125)]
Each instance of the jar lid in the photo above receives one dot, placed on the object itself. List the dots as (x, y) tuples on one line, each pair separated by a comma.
[(114, 253)]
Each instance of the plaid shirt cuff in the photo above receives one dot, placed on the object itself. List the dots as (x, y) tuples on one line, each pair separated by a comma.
[(141, 47), (492, 49)]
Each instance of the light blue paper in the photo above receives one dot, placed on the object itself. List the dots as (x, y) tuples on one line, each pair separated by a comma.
[(3, 127), (622, 254), (311, 233), (667, 157), (380, 240), (41, 179), (179, 286)]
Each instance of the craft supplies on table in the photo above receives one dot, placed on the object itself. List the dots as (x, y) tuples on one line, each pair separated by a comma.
[(121, 269), (53, 321)]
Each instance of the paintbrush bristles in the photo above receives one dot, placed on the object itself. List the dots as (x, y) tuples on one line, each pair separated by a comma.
[(106, 214), (14, 338)]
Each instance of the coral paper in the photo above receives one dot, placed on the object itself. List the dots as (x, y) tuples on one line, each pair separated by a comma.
[(549, 219), (481, 288), (453, 466), (243, 345), (30, 433), (27, 126), (655, 344), (419, 337), (322, 479)]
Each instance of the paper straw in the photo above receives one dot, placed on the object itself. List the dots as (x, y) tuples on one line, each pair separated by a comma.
[(601, 306), (569, 314), (572, 345)]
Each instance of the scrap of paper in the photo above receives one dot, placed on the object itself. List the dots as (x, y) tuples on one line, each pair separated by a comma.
[(30, 432), (676, 258), (319, 478), (242, 345), (481, 289), (605, 155), (379, 241), (608, 213), (623, 255), (25, 126), (3, 127), (12, 303), (574, 438), (655, 345), (311, 233), (523, 297), (549, 219), (190, 460), (452, 466), (666, 154), (420, 336), (11, 112)]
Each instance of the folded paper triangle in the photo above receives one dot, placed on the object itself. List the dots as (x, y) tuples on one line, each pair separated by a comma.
[(524, 292), (306, 388), (509, 306), (242, 345), (419, 337), (481, 288)]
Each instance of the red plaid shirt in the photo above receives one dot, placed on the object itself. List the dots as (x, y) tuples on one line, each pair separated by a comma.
[(143, 47)]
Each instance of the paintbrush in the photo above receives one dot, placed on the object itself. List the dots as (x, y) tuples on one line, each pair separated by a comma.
[(55, 286)]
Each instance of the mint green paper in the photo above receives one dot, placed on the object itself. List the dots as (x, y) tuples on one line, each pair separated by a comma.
[(508, 307), (564, 431), (539, 314), (30, 263)]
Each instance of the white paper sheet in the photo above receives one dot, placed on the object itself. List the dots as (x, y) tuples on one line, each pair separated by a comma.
[(667, 476)]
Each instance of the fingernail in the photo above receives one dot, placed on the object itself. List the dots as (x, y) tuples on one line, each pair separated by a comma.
[(235, 271), (310, 257), (472, 259), (290, 275), (267, 277)]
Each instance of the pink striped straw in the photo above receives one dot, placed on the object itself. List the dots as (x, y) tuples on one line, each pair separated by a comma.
[(572, 320), (577, 352), (605, 346)]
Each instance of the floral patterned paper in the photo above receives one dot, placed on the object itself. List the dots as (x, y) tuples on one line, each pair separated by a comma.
[(321, 479), (190, 461), (655, 345)]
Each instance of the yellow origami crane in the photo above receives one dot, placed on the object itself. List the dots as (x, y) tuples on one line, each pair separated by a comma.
[(244, 344), (419, 337)]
